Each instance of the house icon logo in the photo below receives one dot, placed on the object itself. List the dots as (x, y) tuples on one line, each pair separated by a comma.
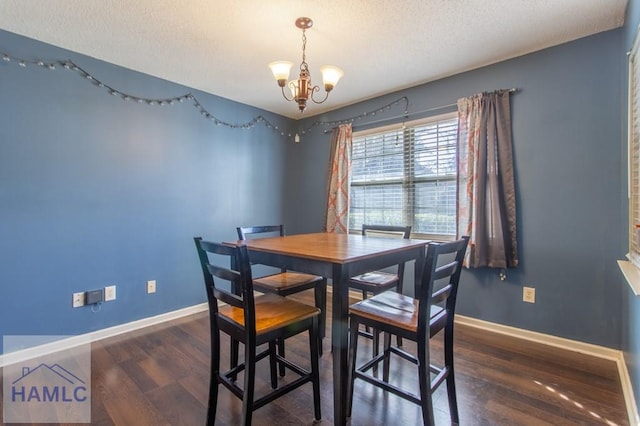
[(48, 383)]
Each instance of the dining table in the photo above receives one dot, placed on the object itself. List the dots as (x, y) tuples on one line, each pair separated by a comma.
[(337, 257)]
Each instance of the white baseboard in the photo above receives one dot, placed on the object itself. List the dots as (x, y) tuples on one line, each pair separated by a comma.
[(545, 339), (627, 391), (570, 345), (70, 342)]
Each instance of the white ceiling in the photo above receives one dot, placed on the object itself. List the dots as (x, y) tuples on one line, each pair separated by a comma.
[(223, 46)]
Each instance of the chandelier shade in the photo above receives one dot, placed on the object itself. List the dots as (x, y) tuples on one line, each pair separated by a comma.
[(330, 76), (281, 71), (302, 89)]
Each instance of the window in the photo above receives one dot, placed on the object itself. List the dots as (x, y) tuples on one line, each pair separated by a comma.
[(406, 175), (631, 269), (634, 155)]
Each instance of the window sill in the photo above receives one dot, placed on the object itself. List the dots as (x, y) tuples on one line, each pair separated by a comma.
[(631, 274)]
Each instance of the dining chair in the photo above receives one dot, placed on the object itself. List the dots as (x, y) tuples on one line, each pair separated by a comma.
[(375, 282), (253, 321), (285, 282), (417, 320)]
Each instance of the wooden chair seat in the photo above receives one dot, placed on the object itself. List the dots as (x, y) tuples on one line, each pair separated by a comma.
[(286, 283), (374, 282), (272, 312), (396, 310)]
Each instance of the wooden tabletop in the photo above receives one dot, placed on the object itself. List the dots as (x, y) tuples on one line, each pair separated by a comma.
[(330, 247)]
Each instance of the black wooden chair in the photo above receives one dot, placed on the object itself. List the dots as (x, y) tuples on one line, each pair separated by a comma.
[(253, 321), (375, 282), (417, 320), (286, 282)]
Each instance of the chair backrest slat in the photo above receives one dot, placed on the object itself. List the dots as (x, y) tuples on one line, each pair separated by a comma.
[(441, 294), (445, 271), (388, 231), (232, 277), (433, 272), (244, 231)]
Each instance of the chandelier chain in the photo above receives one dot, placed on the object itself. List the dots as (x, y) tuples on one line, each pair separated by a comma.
[(304, 65)]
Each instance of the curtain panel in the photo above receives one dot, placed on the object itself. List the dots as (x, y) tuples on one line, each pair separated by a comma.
[(337, 218), (486, 184)]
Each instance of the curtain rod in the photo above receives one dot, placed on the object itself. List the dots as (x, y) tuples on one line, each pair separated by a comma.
[(406, 116)]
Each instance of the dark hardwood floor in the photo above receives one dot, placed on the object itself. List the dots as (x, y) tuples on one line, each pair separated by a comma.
[(160, 376)]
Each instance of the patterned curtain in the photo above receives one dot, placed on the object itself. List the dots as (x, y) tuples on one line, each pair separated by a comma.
[(486, 189), (339, 179)]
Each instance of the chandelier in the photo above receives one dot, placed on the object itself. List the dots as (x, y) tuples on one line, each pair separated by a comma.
[(302, 89)]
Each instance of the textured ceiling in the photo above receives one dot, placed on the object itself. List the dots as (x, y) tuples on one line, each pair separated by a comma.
[(223, 46)]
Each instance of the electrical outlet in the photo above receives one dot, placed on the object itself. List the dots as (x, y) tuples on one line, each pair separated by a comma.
[(110, 293), (77, 300), (151, 286), (529, 294)]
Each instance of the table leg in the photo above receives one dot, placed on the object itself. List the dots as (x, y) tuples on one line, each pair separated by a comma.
[(339, 342)]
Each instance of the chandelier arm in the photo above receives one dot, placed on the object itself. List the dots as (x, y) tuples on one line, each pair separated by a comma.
[(315, 90), (284, 94)]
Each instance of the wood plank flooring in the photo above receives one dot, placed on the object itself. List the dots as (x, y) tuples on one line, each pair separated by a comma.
[(160, 376)]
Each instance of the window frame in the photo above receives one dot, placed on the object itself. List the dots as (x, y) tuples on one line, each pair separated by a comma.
[(634, 155), (408, 179), (631, 268)]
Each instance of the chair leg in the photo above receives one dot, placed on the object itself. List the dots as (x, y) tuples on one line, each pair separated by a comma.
[(451, 384), (249, 382), (272, 364), (399, 290), (424, 381), (233, 362), (353, 351), (213, 381), (364, 296), (314, 341), (281, 352), (375, 349), (320, 295), (387, 357)]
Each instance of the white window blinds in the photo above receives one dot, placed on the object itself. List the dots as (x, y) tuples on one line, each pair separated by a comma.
[(406, 175)]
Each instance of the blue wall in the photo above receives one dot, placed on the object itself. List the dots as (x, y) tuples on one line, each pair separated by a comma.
[(570, 181), (96, 191)]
